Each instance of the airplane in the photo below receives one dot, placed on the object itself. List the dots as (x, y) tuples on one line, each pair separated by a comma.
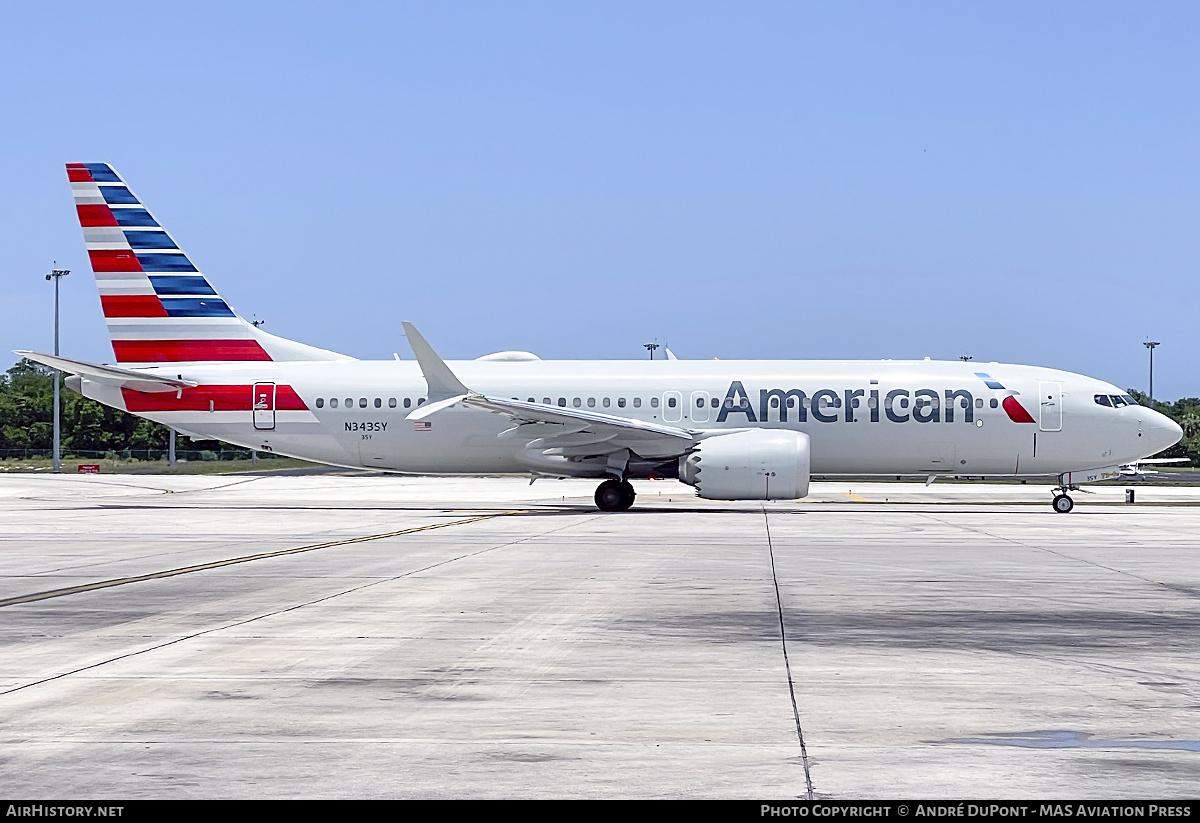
[(1137, 471), (733, 430)]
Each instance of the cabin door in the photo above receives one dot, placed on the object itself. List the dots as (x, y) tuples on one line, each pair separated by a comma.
[(1050, 403)]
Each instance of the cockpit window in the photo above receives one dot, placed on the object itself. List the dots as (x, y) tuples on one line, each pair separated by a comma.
[(1129, 401), (1119, 400), (1103, 400)]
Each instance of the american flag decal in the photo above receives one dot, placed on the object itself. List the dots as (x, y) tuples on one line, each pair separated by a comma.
[(422, 426)]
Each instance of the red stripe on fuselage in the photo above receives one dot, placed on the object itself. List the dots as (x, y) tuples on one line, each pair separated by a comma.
[(96, 216), (1016, 412), (177, 351), (114, 260), (209, 398), (132, 305)]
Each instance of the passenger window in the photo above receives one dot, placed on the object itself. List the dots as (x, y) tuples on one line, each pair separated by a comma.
[(671, 402), (699, 402), (995, 403), (729, 402), (349, 402), (562, 401), (378, 403), (716, 402), (576, 402), (591, 402), (333, 402), (607, 402), (979, 402), (320, 402), (637, 402), (531, 400), (391, 402), (546, 401), (621, 402), (408, 402), (654, 402), (873, 403), (362, 402), (420, 400), (774, 402)]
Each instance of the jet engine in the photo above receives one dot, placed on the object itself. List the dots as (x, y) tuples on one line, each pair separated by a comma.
[(761, 464)]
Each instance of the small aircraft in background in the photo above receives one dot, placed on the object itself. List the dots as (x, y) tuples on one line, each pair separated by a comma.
[(1136, 471)]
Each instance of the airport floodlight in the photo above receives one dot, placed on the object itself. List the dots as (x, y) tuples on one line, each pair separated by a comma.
[(1151, 345), (650, 347), (57, 274), (965, 357)]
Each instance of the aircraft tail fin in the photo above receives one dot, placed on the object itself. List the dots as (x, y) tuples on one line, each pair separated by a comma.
[(158, 306)]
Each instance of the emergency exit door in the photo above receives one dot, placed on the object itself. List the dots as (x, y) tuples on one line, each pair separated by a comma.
[(264, 406)]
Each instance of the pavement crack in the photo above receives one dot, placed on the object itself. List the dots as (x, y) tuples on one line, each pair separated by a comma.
[(787, 663)]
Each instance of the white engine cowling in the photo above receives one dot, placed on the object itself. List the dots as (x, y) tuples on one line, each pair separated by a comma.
[(763, 464)]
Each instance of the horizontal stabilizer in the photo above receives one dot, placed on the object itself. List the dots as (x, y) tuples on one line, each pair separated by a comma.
[(113, 376)]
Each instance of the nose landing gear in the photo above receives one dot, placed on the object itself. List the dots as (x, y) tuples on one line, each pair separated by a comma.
[(614, 495)]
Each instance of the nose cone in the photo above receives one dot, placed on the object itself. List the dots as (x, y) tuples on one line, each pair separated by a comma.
[(1160, 432)]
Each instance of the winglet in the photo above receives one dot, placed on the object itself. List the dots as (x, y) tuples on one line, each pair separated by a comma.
[(442, 383)]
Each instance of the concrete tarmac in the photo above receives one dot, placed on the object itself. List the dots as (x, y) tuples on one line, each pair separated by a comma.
[(373, 636)]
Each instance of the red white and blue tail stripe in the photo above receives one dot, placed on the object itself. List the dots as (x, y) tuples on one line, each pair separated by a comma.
[(159, 307)]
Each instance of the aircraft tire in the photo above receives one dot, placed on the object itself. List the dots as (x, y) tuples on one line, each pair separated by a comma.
[(1062, 503), (627, 495), (610, 496)]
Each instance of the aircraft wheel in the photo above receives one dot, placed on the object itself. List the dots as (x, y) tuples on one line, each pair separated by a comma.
[(627, 495), (610, 497), (1063, 503)]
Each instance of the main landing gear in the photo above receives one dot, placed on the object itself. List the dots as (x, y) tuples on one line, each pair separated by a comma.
[(614, 495)]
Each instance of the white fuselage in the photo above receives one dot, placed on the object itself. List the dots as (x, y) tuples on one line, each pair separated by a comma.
[(862, 417)]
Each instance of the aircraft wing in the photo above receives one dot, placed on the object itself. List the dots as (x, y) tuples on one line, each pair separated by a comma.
[(567, 431), (113, 376), (608, 433)]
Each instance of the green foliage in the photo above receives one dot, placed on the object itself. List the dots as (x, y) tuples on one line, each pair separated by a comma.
[(27, 417), (1184, 411)]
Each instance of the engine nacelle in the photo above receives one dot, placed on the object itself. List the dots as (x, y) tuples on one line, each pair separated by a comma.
[(763, 464)]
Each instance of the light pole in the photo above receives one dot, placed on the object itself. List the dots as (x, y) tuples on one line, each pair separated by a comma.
[(1151, 344), (650, 347), (56, 275)]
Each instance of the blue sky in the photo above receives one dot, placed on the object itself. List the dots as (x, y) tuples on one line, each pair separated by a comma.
[(1014, 181)]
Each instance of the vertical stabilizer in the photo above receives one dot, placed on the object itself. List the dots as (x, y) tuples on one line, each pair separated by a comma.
[(158, 306)]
